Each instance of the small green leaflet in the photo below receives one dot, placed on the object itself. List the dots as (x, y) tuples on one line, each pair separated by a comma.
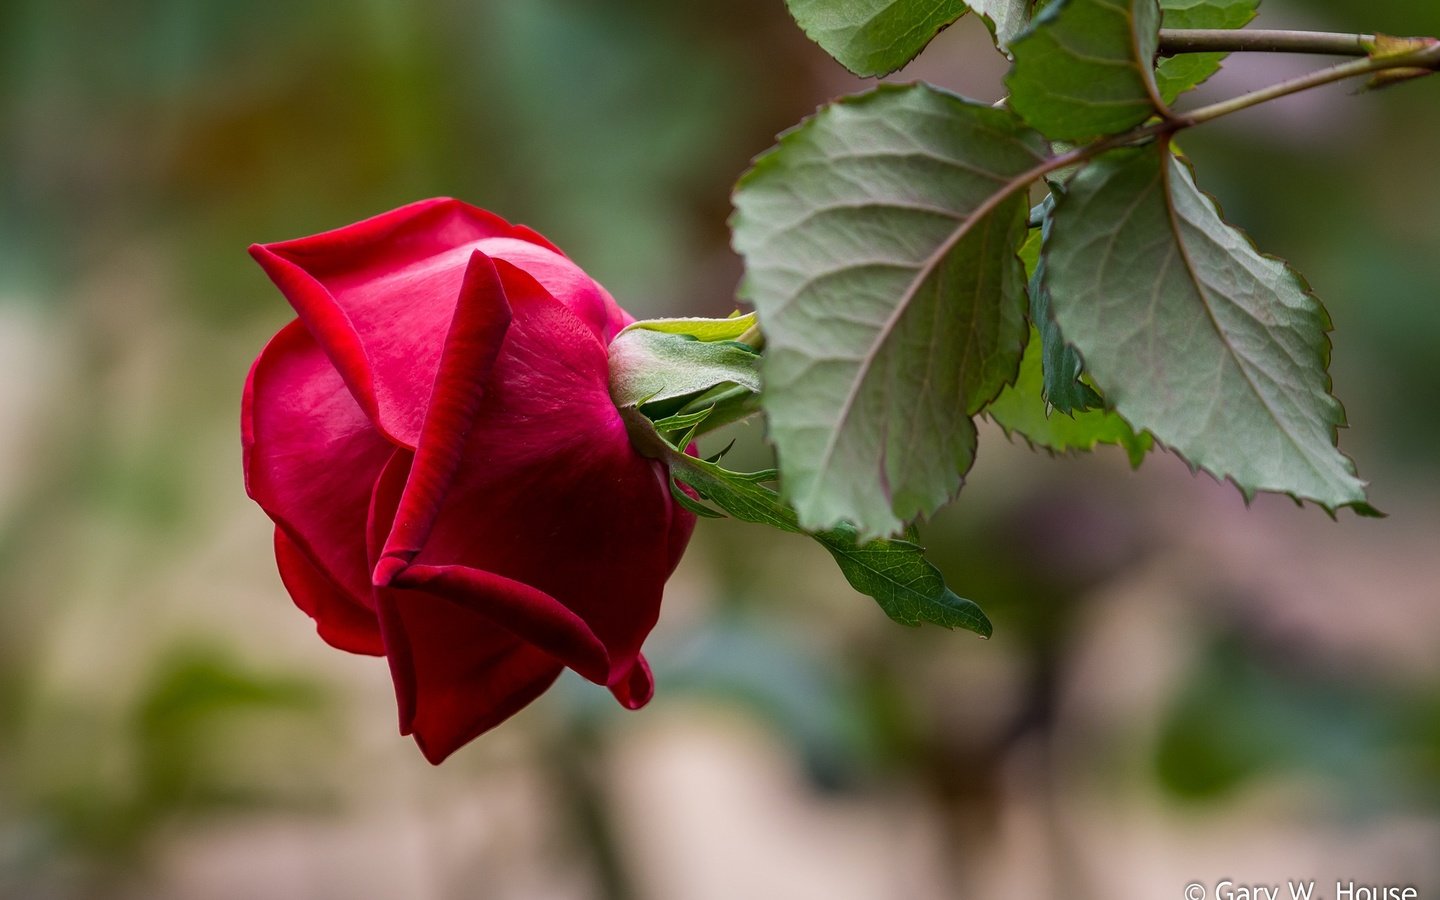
[(1084, 68), (1023, 407), (874, 37), (1063, 388), (894, 572), (879, 240), (652, 366), (1221, 353), (1177, 74), (1022, 410)]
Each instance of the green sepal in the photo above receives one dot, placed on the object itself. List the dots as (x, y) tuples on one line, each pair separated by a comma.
[(701, 329), (649, 366), (687, 424), (690, 503)]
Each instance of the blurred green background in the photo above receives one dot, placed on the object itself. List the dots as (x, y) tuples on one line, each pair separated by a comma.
[(1179, 688)]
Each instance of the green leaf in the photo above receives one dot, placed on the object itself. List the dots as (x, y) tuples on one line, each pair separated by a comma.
[(879, 241), (908, 588), (699, 328), (1063, 388), (1177, 74), (894, 572), (652, 366), (874, 37), (1006, 19), (1022, 410), (1084, 69), (1191, 334)]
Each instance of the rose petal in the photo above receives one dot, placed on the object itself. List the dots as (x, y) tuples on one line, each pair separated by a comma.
[(552, 494), (344, 285), (482, 316), (518, 608), (636, 687), (456, 672), (529, 614), (311, 456), (340, 621), (564, 281), (466, 675)]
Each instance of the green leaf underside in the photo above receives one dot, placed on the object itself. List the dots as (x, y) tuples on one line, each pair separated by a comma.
[(879, 238), (1175, 75), (699, 328), (1084, 68), (894, 572), (652, 366), (1221, 353), (1022, 410), (1006, 19), (874, 37)]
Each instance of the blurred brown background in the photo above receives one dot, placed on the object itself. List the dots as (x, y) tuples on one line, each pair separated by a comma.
[(1179, 689)]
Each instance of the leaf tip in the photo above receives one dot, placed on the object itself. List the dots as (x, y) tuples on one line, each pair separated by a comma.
[(1364, 510)]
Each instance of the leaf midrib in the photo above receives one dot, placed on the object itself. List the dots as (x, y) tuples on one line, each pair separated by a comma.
[(1171, 215), (923, 273), (852, 554)]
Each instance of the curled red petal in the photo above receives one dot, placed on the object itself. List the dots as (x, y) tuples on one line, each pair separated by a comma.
[(564, 281), (552, 494), (482, 316), (340, 621), (311, 456), (636, 687), (456, 672), (466, 674), (379, 296), (527, 613)]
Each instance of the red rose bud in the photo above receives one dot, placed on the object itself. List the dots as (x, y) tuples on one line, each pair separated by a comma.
[(451, 484)]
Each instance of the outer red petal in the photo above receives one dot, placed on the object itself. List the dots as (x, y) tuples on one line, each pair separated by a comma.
[(467, 676), (311, 457), (379, 295), (552, 494), (340, 621), (482, 316), (456, 672), (520, 609), (564, 281), (553, 530), (637, 687)]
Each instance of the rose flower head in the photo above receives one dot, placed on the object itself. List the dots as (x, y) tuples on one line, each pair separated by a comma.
[(451, 484)]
